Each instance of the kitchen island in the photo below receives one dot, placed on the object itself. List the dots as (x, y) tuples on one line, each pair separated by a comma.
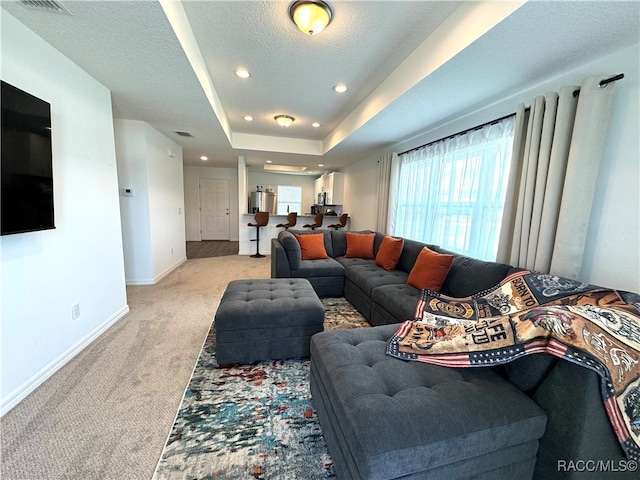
[(247, 233)]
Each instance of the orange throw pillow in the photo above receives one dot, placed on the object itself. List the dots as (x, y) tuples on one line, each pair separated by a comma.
[(360, 245), (389, 252), (312, 246), (430, 270)]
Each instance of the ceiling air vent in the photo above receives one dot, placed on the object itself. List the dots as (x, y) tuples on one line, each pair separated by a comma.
[(184, 134), (50, 6)]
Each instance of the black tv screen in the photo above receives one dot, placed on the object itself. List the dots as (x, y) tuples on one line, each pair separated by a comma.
[(27, 168)]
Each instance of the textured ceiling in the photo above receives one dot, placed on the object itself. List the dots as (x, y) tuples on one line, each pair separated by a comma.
[(408, 65)]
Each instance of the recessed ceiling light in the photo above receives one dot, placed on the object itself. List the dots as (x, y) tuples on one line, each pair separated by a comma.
[(248, 118), (243, 73), (340, 88), (268, 161), (321, 164), (204, 158), (315, 124)]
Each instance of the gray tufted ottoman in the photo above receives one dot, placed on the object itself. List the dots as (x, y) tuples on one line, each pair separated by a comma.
[(266, 320)]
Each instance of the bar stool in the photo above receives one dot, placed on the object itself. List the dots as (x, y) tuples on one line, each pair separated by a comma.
[(317, 222), (343, 222), (292, 219), (261, 219)]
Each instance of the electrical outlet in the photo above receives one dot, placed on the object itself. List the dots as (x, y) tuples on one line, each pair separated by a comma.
[(75, 311)]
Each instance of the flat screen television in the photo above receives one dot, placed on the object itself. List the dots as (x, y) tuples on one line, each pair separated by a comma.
[(27, 167)]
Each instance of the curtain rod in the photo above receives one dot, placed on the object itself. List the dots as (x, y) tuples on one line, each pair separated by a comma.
[(459, 133), (603, 83)]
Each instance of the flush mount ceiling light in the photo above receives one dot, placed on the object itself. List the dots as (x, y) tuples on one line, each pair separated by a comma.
[(248, 118), (315, 124), (284, 120), (204, 158), (340, 88), (311, 16), (243, 73)]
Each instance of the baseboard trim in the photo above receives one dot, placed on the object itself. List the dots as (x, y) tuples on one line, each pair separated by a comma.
[(52, 367), (157, 278), (160, 276)]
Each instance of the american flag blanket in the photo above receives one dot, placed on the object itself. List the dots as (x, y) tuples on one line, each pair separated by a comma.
[(529, 313)]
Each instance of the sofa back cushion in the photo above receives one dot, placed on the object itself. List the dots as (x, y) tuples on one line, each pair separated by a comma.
[(410, 252), (469, 276)]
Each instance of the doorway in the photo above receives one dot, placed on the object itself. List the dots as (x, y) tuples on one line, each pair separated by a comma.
[(214, 209)]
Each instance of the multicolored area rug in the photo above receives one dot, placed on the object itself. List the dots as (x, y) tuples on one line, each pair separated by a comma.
[(252, 421)]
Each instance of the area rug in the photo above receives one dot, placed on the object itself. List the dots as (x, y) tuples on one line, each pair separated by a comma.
[(253, 421)]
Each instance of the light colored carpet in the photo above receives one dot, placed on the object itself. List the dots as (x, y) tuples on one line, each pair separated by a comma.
[(107, 413)]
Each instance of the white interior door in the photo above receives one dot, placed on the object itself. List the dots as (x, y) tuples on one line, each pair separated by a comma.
[(214, 209)]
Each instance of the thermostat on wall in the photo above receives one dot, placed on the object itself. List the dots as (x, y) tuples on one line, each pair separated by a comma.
[(128, 192)]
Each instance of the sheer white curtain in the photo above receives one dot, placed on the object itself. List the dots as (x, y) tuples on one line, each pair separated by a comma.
[(557, 150), (451, 192)]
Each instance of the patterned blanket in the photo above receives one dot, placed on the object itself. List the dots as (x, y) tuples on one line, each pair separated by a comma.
[(530, 313)]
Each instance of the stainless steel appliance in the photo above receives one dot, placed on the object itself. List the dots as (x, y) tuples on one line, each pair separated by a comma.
[(322, 198), (263, 201)]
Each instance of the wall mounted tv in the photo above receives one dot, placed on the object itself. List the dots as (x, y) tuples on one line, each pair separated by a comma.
[(27, 169)]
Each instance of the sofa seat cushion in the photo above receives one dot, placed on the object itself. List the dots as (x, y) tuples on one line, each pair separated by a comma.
[(368, 276), (400, 300), (396, 419), (327, 267), (349, 262)]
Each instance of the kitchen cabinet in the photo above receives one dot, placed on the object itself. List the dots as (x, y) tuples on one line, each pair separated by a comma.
[(333, 185), (318, 187)]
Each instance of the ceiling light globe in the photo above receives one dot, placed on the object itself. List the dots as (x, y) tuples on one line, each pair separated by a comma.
[(284, 120), (242, 73), (311, 17)]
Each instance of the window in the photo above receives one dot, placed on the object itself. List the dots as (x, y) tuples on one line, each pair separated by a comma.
[(289, 199), (452, 192)]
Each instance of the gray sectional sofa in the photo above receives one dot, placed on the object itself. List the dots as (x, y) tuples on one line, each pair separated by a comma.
[(384, 418), (382, 297)]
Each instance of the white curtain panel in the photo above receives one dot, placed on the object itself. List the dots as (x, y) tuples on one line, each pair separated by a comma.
[(556, 154), (451, 192), (384, 182)]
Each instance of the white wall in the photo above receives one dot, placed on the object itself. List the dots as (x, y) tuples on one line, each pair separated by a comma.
[(81, 261), (153, 223), (361, 194), (612, 253), (166, 202), (134, 211), (192, 176)]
